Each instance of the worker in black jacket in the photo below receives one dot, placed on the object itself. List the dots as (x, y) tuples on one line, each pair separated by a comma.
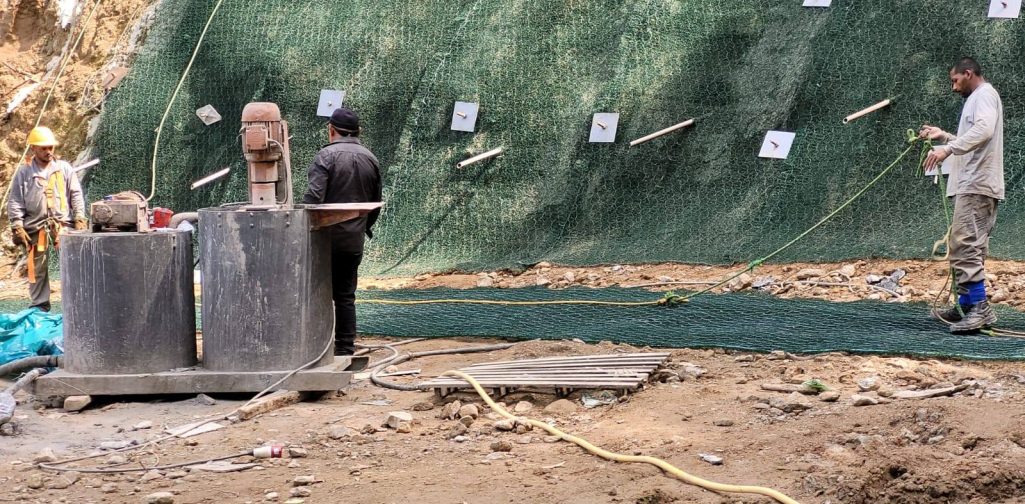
[(345, 171)]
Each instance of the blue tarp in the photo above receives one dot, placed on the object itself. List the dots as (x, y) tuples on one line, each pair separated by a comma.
[(30, 332)]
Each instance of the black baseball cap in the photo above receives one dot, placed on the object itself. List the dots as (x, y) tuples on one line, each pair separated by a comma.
[(345, 120)]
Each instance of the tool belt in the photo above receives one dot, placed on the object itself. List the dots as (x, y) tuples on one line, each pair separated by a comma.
[(50, 231)]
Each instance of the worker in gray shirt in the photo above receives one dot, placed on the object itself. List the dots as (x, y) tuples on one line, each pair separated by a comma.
[(46, 198), (977, 186)]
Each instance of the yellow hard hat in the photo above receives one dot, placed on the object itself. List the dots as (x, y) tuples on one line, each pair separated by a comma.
[(42, 136)]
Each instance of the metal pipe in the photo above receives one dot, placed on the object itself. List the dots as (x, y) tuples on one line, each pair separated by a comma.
[(86, 166), (479, 157), (210, 178), (177, 219), (883, 104), (684, 124)]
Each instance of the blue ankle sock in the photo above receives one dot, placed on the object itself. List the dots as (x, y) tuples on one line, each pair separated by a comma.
[(964, 300), (976, 292)]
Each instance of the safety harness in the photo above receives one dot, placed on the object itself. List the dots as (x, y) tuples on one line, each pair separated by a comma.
[(56, 197)]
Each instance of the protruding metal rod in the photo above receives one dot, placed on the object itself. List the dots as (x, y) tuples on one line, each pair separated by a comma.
[(883, 104), (601, 125), (88, 165), (210, 178), (479, 157), (684, 124), (461, 114)]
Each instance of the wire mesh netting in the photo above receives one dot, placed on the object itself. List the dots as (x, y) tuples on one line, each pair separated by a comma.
[(539, 70), (753, 322)]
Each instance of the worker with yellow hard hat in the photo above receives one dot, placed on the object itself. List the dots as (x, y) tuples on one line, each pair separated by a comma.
[(46, 198)]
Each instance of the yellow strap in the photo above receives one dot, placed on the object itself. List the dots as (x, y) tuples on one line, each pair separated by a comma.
[(56, 192)]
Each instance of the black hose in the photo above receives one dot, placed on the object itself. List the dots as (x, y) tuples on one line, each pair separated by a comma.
[(178, 218), (27, 363)]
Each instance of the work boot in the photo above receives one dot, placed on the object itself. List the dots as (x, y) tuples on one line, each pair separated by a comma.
[(952, 314), (980, 315)]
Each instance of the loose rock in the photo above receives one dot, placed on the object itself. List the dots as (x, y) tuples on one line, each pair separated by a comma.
[(150, 476), (145, 424), (109, 488), (397, 417), (300, 492), (809, 273), (723, 423), (77, 403), (303, 480), (829, 396), (451, 410), (562, 406), (340, 432), (523, 407), (741, 282), (45, 456), (711, 459), (505, 425), (272, 496), (501, 446), (860, 400), (206, 400), (793, 403), (868, 384), (423, 406), (159, 498), (35, 481), (469, 410), (466, 420), (297, 452)]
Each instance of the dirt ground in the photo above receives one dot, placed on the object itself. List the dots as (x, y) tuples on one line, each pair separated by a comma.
[(965, 448), (848, 281)]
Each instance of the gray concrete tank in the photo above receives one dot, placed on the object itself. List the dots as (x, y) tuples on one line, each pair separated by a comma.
[(266, 291), (128, 299)]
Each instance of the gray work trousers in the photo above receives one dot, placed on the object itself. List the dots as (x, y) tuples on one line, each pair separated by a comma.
[(974, 217), (40, 291)]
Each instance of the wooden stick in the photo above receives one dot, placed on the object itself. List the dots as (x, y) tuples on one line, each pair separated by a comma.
[(684, 124), (861, 113), (776, 387), (479, 157)]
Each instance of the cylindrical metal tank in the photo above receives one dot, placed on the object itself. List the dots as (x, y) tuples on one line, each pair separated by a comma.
[(129, 305), (266, 291)]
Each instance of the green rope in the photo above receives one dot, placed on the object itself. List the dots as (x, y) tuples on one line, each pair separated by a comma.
[(911, 138), (673, 299)]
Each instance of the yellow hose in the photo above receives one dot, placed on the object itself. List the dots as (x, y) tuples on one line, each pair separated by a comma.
[(618, 457)]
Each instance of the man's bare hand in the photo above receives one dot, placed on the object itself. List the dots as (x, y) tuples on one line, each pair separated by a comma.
[(932, 133), (936, 157)]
